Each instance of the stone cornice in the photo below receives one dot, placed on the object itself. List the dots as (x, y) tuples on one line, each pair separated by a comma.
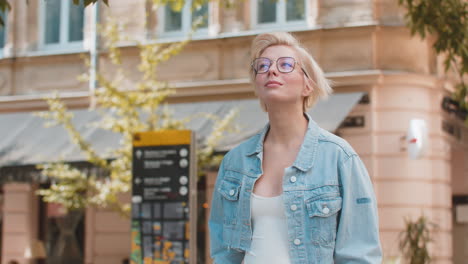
[(37, 102), (196, 90)]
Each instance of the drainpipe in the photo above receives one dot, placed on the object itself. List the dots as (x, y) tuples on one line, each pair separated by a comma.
[(94, 55), (10, 48)]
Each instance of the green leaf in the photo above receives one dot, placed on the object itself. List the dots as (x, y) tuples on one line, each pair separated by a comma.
[(5, 6), (87, 2), (177, 5), (447, 21)]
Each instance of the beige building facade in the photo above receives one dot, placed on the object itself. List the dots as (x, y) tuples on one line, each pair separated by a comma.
[(362, 45)]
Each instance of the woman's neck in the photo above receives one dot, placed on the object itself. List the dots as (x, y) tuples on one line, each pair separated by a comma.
[(287, 128)]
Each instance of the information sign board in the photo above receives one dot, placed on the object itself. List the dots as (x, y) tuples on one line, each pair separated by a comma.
[(163, 198)]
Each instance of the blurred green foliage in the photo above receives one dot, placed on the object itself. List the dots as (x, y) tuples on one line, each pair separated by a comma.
[(447, 21), (415, 239)]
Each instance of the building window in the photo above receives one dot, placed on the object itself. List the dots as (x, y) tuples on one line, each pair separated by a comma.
[(62, 234), (61, 24), (3, 31), (179, 23), (267, 13)]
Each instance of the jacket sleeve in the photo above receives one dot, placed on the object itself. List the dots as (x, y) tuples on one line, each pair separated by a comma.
[(220, 253), (357, 239)]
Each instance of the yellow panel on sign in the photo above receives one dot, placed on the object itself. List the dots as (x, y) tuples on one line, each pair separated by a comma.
[(162, 138)]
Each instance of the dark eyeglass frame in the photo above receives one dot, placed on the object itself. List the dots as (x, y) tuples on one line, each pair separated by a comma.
[(277, 66)]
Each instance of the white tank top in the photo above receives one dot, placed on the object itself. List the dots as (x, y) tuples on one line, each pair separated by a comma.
[(270, 231)]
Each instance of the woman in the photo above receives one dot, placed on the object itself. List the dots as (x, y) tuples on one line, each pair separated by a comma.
[(293, 193)]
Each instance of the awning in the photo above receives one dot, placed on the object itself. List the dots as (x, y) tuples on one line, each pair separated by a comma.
[(25, 140)]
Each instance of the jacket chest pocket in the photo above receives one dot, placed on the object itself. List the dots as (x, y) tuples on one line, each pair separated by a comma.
[(230, 191), (323, 217)]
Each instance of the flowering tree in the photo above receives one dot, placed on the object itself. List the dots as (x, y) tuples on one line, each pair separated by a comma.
[(125, 110)]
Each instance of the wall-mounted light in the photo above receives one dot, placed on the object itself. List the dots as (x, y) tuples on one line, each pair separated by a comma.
[(416, 138)]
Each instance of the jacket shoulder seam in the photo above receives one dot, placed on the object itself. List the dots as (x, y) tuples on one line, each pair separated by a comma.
[(343, 148), (349, 157)]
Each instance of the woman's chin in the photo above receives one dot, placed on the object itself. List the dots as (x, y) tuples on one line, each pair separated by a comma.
[(276, 95), (274, 102)]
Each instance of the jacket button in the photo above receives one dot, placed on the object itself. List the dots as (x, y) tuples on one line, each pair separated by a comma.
[(297, 241), (293, 179), (293, 207), (325, 210), (231, 192)]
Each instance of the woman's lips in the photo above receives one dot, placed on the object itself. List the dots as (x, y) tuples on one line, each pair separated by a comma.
[(272, 84)]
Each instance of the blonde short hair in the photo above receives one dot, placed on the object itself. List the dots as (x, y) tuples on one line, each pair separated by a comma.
[(321, 88)]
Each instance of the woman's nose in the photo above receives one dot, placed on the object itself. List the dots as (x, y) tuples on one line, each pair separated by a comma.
[(273, 70)]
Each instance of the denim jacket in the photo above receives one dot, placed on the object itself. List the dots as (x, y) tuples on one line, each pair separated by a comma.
[(334, 217)]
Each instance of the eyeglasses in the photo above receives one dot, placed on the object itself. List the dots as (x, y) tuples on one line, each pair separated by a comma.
[(283, 64)]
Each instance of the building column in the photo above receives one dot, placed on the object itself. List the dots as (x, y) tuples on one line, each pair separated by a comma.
[(409, 188), (20, 221), (108, 236)]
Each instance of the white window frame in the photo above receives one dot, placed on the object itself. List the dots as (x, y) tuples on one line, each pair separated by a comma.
[(5, 37), (186, 28), (63, 44), (280, 16)]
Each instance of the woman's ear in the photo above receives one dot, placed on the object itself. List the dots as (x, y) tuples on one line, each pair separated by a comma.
[(308, 87)]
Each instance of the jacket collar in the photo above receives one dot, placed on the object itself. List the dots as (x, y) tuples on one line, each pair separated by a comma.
[(306, 156)]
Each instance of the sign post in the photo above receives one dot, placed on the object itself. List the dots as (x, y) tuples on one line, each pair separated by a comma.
[(164, 193)]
